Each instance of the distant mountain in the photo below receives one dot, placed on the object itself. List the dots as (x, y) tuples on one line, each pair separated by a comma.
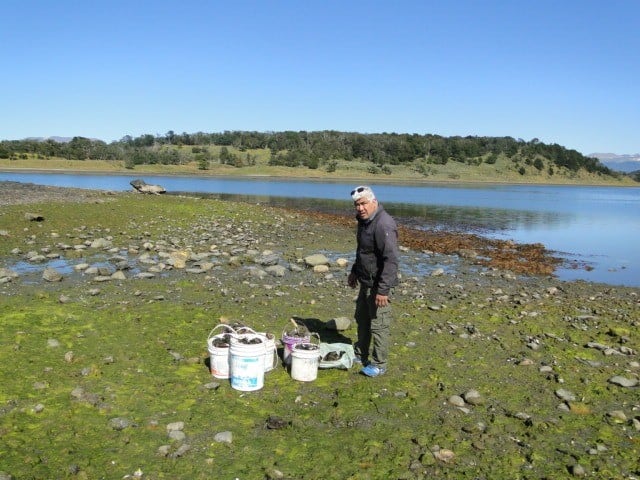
[(619, 163), (55, 139)]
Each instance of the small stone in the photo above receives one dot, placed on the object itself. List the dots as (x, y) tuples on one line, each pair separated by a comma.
[(316, 260), (177, 435), (119, 423), (623, 381), (51, 275), (565, 395), (456, 400), (473, 397), (175, 426), (224, 437), (163, 450), (578, 470), (618, 416)]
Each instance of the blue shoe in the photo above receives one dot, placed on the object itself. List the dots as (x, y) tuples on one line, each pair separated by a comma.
[(373, 371)]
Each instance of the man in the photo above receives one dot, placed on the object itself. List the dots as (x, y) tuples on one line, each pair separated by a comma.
[(376, 270)]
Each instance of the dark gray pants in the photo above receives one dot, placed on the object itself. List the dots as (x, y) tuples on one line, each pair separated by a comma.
[(374, 325)]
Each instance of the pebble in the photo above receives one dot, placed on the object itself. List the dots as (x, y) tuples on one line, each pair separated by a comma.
[(565, 395), (624, 381), (473, 397), (223, 437)]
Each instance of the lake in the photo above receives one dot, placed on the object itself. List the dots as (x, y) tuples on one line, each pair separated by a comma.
[(592, 226)]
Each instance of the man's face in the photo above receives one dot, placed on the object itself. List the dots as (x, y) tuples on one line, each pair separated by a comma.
[(365, 208)]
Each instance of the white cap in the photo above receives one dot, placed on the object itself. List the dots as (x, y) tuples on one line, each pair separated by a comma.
[(362, 192)]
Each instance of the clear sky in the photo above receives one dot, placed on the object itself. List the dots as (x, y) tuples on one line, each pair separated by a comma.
[(562, 71)]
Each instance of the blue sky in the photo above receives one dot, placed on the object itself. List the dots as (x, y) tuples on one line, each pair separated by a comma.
[(565, 72)]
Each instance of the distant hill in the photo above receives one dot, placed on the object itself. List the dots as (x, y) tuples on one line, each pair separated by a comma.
[(55, 139), (620, 163)]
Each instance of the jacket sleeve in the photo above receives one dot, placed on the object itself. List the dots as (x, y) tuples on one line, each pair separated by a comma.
[(386, 237)]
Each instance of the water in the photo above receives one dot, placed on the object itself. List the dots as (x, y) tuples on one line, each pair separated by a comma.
[(594, 226)]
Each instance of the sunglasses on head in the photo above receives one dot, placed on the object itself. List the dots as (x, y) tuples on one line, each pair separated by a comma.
[(359, 190)]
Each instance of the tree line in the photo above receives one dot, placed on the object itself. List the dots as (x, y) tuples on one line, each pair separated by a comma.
[(307, 149)]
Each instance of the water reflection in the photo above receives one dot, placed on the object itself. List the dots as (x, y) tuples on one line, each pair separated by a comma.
[(433, 217)]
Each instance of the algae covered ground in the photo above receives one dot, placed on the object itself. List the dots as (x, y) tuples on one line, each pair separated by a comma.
[(492, 375)]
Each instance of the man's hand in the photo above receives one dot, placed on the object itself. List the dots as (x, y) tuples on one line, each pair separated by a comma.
[(382, 300), (352, 281)]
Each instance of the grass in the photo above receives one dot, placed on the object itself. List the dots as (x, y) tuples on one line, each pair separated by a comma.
[(56, 407), (503, 171)]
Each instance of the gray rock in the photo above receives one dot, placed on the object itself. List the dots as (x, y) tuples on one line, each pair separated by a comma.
[(276, 270), (316, 259), (177, 435), (120, 423), (175, 426), (565, 395), (51, 275), (267, 259), (224, 437), (624, 381), (101, 243), (473, 397)]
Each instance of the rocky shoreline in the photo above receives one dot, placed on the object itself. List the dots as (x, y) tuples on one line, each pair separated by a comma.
[(495, 372)]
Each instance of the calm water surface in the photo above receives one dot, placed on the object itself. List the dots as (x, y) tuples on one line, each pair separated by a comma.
[(596, 226)]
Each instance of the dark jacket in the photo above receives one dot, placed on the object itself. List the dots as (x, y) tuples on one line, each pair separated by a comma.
[(376, 262)]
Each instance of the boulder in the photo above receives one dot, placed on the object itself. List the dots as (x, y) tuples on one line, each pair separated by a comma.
[(143, 187)]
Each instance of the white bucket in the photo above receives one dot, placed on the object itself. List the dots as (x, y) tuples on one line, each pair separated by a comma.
[(305, 358), (271, 352), (246, 362), (218, 347)]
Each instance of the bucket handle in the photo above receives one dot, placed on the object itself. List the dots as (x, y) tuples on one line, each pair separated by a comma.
[(224, 325), (243, 330)]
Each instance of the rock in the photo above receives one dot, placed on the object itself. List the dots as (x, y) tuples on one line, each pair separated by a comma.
[(143, 187), (33, 217), (53, 343), (444, 455), (51, 275), (267, 259), (456, 401), (321, 268), (438, 272), (224, 437), (316, 259), (101, 243), (473, 397), (177, 435), (175, 426), (119, 423), (178, 259), (624, 381), (339, 323), (342, 262), (565, 395), (276, 270), (8, 273), (118, 275)]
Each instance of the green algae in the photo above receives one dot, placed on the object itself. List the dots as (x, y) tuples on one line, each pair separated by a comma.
[(139, 352)]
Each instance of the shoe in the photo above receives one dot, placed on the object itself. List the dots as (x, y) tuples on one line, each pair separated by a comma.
[(359, 361), (373, 371)]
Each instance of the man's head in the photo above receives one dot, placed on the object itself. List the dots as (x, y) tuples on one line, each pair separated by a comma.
[(364, 200)]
